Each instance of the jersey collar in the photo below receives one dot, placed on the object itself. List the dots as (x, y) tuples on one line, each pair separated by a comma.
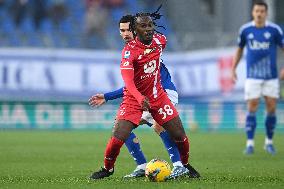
[(265, 24), (141, 44)]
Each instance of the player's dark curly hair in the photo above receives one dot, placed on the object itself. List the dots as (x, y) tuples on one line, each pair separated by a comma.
[(155, 16), (126, 18)]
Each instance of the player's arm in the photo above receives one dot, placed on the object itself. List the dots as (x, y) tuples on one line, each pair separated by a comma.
[(100, 99), (236, 60), (128, 78), (238, 54), (282, 74), (127, 73)]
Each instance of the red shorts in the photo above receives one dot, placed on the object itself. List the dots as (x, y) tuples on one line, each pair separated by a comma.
[(162, 110)]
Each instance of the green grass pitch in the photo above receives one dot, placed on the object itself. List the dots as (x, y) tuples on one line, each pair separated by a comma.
[(65, 159)]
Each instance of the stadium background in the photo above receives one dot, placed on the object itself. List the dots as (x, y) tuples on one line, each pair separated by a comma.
[(54, 54)]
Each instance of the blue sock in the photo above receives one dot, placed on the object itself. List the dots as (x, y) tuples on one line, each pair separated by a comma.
[(270, 123), (170, 146), (250, 125), (134, 149), (149, 124)]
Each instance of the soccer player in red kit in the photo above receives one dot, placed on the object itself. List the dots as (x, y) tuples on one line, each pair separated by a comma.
[(140, 70)]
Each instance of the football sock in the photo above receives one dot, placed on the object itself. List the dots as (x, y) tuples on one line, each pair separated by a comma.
[(112, 151), (183, 148), (270, 123), (250, 125), (134, 149), (149, 124), (170, 146), (250, 142), (142, 166)]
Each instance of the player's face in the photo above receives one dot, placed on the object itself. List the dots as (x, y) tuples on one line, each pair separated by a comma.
[(125, 32), (145, 29), (259, 13)]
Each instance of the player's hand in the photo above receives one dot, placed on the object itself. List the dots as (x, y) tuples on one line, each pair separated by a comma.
[(146, 104), (282, 74), (234, 76), (97, 100)]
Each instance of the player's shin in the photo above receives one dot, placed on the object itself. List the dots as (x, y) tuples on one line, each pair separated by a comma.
[(250, 128), (270, 123), (112, 151), (134, 149), (171, 148), (183, 148)]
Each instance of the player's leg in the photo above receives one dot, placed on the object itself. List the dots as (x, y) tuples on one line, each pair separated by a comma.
[(169, 144), (270, 123), (177, 133), (165, 114), (251, 123), (271, 93), (121, 132), (133, 146), (135, 150), (252, 95)]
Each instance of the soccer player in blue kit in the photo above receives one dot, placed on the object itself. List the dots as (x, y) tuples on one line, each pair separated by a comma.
[(261, 38), (132, 142)]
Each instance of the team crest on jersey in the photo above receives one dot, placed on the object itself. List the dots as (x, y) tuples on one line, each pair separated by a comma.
[(250, 36), (267, 35), (126, 63), (150, 66), (126, 54)]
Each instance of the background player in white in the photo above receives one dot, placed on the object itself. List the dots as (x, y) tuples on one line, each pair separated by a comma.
[(261, 39)]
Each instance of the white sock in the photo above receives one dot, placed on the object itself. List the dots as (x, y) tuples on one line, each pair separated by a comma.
[(268, 141), (142, 166), (250, 142), (178, 163)]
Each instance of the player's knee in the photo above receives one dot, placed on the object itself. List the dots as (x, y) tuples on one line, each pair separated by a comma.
[(157, 128), (252, 105), (122, 129)]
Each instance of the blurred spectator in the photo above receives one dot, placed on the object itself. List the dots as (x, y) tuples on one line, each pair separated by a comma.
[(19, 10), (58, 12), (113, 3), (2, 3), (38, 12), (96, 20)]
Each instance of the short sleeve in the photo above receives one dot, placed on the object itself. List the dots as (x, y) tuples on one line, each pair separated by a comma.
[(279, 37), (161, 40), (127, 58), (241, 38)]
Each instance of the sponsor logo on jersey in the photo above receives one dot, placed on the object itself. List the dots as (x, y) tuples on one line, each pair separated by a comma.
[(126, 54), (150, 66), (256, 45)]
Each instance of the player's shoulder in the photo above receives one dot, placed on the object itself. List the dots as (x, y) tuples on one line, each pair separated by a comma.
[(246, 26), (160, 38), (274, 26), (130, 45)]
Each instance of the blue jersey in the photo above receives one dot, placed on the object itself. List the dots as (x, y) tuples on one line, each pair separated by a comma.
[(166, 81), (261, 45)]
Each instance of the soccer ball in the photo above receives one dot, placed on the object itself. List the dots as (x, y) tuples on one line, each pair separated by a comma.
[(157, 170)]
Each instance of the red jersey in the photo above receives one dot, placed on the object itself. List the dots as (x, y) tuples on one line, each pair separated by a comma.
[(144, 62)]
